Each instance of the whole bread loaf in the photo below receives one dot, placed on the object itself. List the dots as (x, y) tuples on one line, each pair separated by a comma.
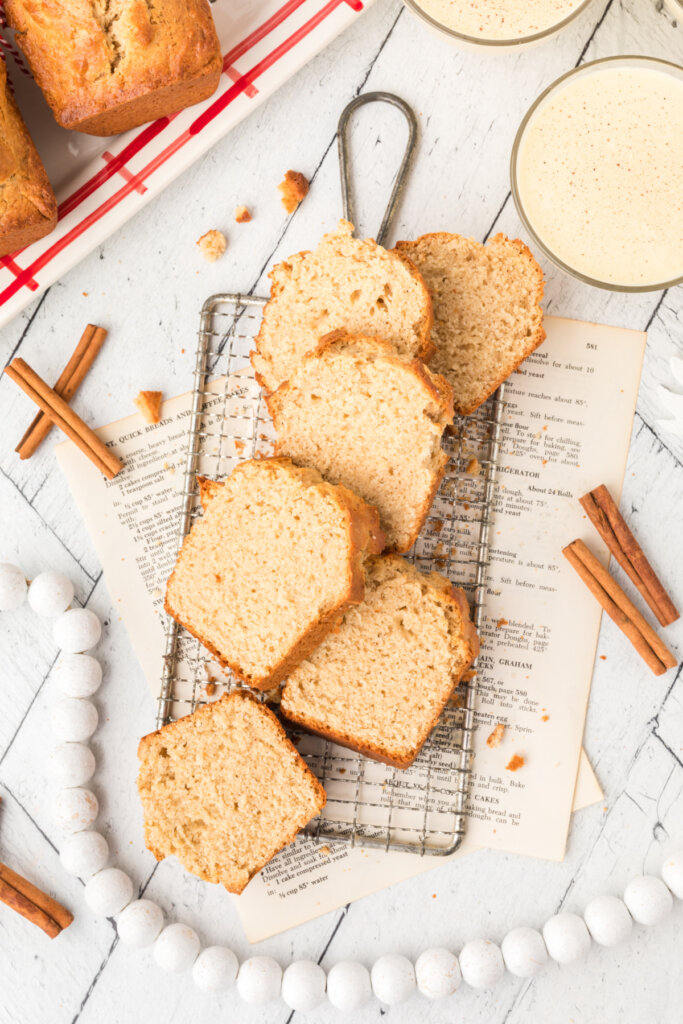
[(271, 565), (380, 681), (371, 419), (487, 312), (28, 208), (345, 283), (106, 66), (224, 789)]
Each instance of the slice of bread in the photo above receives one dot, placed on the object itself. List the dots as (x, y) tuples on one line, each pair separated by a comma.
[(487, 313), (371, 419), (270, 566), (379, 682), (224, 789), (346, 283)]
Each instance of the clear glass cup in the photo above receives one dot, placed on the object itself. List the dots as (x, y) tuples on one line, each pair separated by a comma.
[(585, 69), (494, 45)]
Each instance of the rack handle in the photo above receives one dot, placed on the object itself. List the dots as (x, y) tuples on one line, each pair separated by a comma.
[(344, 168)]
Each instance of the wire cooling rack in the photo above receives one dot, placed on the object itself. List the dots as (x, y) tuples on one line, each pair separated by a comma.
[(421, 809)]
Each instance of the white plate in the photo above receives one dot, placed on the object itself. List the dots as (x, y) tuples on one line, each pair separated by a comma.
[(100, 183)]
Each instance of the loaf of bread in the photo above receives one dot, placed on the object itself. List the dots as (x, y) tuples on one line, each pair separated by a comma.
[(379, 682), (371, 419), (487, 313), (224, 789), (270, 567), (106, 66), (28, 208), (345, 283)]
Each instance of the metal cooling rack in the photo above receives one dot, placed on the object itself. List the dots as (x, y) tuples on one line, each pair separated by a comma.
[(421, 809)]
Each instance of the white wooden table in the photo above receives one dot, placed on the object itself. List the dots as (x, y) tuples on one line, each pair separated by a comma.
[(146, 285)]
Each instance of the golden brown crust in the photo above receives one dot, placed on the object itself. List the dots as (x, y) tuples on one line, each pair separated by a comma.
[(366, 538), (450, 594), (107, 68), (426, 347), (28, 208), (443, 237), (209, 709), (436, 386)]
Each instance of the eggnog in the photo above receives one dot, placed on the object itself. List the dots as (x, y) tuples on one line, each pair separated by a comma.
[(488, 20), (598, 172)]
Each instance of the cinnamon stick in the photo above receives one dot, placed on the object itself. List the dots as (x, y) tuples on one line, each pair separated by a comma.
[(604, 513), (69, 381), (36, 906), (64, 417), (619, 608)]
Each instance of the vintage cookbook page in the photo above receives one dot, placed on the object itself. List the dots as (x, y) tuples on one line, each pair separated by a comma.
[(540, 630)]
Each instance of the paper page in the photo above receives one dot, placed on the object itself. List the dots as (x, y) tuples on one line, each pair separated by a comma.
[(580, 385)]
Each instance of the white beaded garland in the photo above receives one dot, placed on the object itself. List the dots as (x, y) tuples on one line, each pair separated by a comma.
[(73, 720), (83, 854), (72, 764), (608, 920), (393, 979), (349, 986), (648, 899), (566, 937), (13, 587), (481, 963), (672, 872), (74, 809), (524, 952), (108, 892), (303, 985), (50, 594), (259, 980), (78, 675), (177, 947), (437, 973), (215, 969), (140, 923), (77, 630)]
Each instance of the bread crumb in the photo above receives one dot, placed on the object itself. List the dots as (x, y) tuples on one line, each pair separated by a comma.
[(458, 699), (85, 295), (496, 737), (437, 526), (501, 622), (212, 245), (294, 188), (242, 215), (603, 657), (210, 689), (325, 850), (545, 718), (149, 404), (515, 762), (473, 467), (239, 447)]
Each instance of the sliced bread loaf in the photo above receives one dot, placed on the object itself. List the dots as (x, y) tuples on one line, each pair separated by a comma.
[(487, 313), (379, 682), (346, 283), (371, 419), (270, 566), (224, 789)]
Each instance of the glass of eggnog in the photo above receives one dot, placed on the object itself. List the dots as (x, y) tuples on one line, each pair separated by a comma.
[(597, 173), (497, 24)]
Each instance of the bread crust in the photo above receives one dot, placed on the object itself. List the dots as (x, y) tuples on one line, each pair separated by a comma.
[(105, 69), (443, 237), (366, 538), (209, 709), (426, 347), (436, 386), (450, 594), (28, 207)]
